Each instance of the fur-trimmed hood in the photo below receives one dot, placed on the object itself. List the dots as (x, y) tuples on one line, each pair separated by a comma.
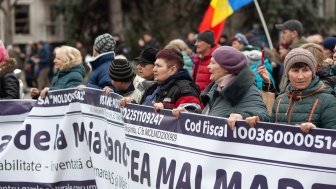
[(7, 66)]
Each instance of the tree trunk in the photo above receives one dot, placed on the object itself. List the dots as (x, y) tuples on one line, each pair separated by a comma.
[(116, 17), (7, 11)]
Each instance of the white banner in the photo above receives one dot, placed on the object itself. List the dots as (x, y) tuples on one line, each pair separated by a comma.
[(82, 139)]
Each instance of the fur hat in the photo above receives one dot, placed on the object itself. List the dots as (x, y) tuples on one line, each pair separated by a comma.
[(207, 36), (300, 55), (230, 59), (104, 43), (121, 70)]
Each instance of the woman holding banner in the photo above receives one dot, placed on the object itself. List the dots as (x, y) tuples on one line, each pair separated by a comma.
[(173, 85), (307, 102), (232, 93), (70, 71)]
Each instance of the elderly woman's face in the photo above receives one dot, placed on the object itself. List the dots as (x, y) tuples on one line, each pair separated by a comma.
[(58, 62), (300, 78), (162, 71), (216, 71)]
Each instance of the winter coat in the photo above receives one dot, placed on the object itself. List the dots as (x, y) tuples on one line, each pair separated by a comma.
[(188, 63), (9, 84), (201, 74), (314, 104), (68, 78), (135, 90), (177, 90), (327, 76), (241, 96), (99, 77), (300, 42)]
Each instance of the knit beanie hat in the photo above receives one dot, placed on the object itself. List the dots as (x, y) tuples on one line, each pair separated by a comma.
[(104, 43), (3, 52), (207, 36), (121, 70), (230, 59), (300, 55), (329, 43)]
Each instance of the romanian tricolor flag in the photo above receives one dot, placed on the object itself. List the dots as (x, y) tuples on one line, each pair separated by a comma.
[(217, 12)]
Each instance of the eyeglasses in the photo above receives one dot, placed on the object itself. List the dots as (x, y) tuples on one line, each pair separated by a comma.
[(142, 64)]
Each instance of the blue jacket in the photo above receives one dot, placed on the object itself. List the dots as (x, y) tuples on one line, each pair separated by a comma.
[(99, 77)]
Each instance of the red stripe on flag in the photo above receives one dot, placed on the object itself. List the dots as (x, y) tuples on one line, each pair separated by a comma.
[(207, 19), (206, 24)]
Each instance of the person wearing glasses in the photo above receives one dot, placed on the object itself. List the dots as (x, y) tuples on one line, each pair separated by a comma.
[(145, 63)]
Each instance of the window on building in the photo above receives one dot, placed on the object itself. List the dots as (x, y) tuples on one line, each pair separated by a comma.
[(22, 19), (51, 26)]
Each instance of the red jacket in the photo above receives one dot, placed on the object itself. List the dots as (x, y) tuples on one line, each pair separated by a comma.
[(201, 74)]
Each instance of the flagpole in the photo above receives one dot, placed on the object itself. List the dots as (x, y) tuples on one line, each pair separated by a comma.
[(264, 24)]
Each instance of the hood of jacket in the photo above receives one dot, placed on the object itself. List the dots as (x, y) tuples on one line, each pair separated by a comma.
[(101, 59)]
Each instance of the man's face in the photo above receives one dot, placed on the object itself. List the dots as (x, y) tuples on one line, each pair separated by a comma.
[(287, 37), (202, 47), (238, 45)]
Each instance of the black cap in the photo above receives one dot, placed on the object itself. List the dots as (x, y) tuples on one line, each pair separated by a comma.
[(292, 25), (148, 55), (207, 36)]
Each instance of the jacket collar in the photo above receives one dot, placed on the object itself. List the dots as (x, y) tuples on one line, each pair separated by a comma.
[(316, 86), (236, 90), (102, 58)]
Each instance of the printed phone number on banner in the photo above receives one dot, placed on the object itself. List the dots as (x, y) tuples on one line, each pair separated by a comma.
[(285, 137), (143, 117)]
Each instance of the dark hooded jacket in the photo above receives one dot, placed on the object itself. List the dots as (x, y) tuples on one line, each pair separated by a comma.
[(177, 90), (99, 77), (9, 84)]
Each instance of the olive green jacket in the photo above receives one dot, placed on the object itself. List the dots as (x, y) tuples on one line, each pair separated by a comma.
[(314, 104), (241, 96)]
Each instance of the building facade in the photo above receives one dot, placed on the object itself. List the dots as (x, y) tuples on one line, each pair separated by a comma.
[(32, 21)]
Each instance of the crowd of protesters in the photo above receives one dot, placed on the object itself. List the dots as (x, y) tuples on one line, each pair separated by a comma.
[(197, 74)]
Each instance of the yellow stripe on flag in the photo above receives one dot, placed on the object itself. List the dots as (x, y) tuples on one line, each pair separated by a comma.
[(222, 10)]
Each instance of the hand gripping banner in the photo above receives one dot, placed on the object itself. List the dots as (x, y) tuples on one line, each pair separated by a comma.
[(84, 139)]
